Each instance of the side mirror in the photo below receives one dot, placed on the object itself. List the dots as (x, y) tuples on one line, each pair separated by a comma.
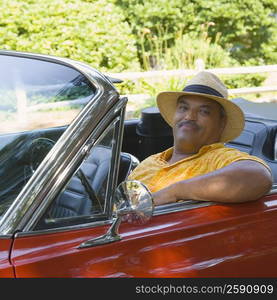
[(134, 202)]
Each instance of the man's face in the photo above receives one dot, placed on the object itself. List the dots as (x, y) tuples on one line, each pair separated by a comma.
[(198, 121)]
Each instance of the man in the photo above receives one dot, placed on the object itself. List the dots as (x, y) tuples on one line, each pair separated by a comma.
[(199, 166)]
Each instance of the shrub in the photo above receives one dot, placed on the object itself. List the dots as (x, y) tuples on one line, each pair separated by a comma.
[(247, 27), (183, 55), (91, 31), (188, 48), (243, 80)]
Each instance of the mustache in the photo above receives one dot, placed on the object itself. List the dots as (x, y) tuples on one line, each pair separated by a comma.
[(188, 122)]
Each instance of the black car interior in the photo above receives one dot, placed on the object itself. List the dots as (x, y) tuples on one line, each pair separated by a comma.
[(86, 190), (27, 151), (20, 153)]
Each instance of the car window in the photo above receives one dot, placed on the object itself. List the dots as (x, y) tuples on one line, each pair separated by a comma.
[(38, 99), (85, 196), (39, 94)]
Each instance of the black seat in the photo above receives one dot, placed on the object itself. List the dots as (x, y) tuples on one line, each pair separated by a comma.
[(155, 135), (85, 192), (71, 203)]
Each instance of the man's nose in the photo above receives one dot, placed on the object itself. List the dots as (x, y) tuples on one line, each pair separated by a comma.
[(191, 115)]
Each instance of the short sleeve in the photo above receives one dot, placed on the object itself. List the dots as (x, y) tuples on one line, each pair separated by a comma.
[(230, 155)]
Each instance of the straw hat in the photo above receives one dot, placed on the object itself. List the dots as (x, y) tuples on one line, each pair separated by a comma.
[(208, 85)]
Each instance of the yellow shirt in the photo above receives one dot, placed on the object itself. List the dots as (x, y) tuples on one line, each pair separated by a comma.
[(156, 173)]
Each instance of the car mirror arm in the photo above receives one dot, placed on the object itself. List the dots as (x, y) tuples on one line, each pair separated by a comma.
[(133, 201), (109, 237)]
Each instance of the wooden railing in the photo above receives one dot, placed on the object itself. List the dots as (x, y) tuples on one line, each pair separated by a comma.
[(200, 66), (155, 74)]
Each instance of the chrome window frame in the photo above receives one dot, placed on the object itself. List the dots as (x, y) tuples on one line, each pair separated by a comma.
[(78, 161), (114, 115), (275, 148), (273, 190), (180, 206), (66, 147), (90, 222)]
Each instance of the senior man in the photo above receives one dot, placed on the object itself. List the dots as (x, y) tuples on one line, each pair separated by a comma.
[(199, 166)]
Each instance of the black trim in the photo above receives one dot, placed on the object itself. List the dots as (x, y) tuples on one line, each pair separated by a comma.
[(203, 89)]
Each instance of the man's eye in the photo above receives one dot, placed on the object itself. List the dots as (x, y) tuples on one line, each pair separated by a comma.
[(205, 111), (183, 108)]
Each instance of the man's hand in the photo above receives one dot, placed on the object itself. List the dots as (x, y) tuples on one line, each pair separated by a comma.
[(164, 196)]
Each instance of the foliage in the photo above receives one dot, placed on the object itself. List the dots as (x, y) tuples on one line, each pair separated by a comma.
[(186, 51), (243, 80), (184, 54), (112, 34), (247, 27), (91, 31), (120, 35)]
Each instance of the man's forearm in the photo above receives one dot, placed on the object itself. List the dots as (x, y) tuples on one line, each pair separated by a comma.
[(234, 183)]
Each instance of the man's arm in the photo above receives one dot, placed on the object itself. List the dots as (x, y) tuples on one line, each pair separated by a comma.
[(241, 181)]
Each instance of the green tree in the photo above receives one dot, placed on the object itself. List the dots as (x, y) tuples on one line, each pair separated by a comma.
[(91, 31), (247, 28)]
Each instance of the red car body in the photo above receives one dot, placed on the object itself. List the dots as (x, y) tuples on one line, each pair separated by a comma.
[(236, 240)]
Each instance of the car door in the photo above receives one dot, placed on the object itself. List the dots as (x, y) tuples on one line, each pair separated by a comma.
[(6, 269), (188, 240)]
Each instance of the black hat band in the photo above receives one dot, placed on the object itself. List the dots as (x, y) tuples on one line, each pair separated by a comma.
[(202, 89)]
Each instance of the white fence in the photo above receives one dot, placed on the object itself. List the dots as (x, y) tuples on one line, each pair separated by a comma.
[(200, 66), (23, 108)]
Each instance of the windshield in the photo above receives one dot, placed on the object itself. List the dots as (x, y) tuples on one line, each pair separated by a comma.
[(38, 99)]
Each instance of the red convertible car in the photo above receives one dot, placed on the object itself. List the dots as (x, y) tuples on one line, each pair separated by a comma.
[(66, 208)]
